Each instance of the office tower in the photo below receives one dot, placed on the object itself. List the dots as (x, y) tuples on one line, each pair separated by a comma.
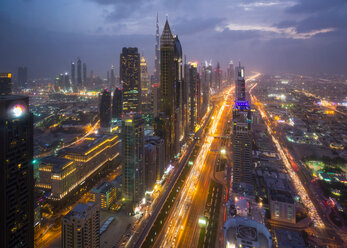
[(230, 73), (16, 173), (155, 92), (22, 77), (66, 82), (113, 78), (240, 92), (73, 76), (198, 98), (178, 92), (242, 134), (218, 77), (81, 226), (150, 166), (117, 104), (130, 77), (205, 90), (167, 91), (108, 79), (193, 81), (146, 103), (157, 55), (84, 73), (79, 75), (105, 110), (160, 154), (5, 84), (133, 158), (186, 99)]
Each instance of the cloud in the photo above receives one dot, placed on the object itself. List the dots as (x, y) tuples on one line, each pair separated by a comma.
[(277, 32), (254, 5), (185, 26), (314, 6)]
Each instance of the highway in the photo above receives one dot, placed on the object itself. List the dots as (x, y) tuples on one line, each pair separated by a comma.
[(160, 204), (181, 228)]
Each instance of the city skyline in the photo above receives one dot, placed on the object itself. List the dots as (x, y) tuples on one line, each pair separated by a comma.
[(305, 36)]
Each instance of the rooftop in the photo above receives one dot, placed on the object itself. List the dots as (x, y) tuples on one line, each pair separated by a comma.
[(103, 187)]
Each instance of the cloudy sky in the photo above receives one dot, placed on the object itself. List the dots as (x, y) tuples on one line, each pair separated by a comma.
[(265, 35)]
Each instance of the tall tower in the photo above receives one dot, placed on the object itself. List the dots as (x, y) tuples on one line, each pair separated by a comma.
[(167, 90), (105, 110), (146, 93), (133, 158), (16, 173), (79, 74), (218, 77), (84, 73), (157, 54), (22, 76), (242, 134), (73, 76), (113, 78), (193, 92), (130, 77), (240, 91), (230, 73)]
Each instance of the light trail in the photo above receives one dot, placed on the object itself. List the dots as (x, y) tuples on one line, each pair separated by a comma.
[(177, 222), (312, 211)]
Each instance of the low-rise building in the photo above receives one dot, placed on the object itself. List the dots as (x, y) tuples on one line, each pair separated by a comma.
[(104, 195), (282, 206)]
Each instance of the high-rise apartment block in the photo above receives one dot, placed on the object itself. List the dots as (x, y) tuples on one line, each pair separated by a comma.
[(16, 172), (5, 84), (81, 226)]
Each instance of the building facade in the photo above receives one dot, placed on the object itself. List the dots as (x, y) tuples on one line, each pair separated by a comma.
[(16, 173), (105, 110)]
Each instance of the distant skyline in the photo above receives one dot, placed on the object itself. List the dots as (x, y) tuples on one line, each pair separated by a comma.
[(266, 35)]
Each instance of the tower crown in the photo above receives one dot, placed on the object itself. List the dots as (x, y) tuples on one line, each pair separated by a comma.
[(166, 37)]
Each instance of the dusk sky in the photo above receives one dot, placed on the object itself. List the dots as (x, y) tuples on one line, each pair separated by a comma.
[(265, 35)]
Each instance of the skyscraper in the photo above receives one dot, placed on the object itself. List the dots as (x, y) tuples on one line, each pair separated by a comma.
[(105, 110), (242, 134), (167, 91), (218, 77), (230, 73), (84, 73), (130, 77), (240, 85), (146, 93), (205, 85), (5, 84), (178, 92), (133, 158), (157, 55), (117, 104), (113, 78), (16, 173), (22, 77), (79, 75), (193, 81), (81, 226), (73, 76)]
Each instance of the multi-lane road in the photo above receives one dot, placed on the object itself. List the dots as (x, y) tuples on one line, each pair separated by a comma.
[(181, 228)]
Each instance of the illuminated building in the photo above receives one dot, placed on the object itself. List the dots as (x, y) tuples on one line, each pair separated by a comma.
[(73, 76), (242, 134), (230, 73), (244, 232), (167, 92), (133, 158), (105, 110), (79, 75), (282, 206), (240, 85), (81, 226), (217, 77), (178, 93), (117, 104), (75, 164), (160, 154), (155, 99), (22, 77), (16, 173), (206, 79), (130, 77), (84, 73), (104, 195), (5, 84), (113, 78), (193, 85), (146, 103), (157, 55)]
